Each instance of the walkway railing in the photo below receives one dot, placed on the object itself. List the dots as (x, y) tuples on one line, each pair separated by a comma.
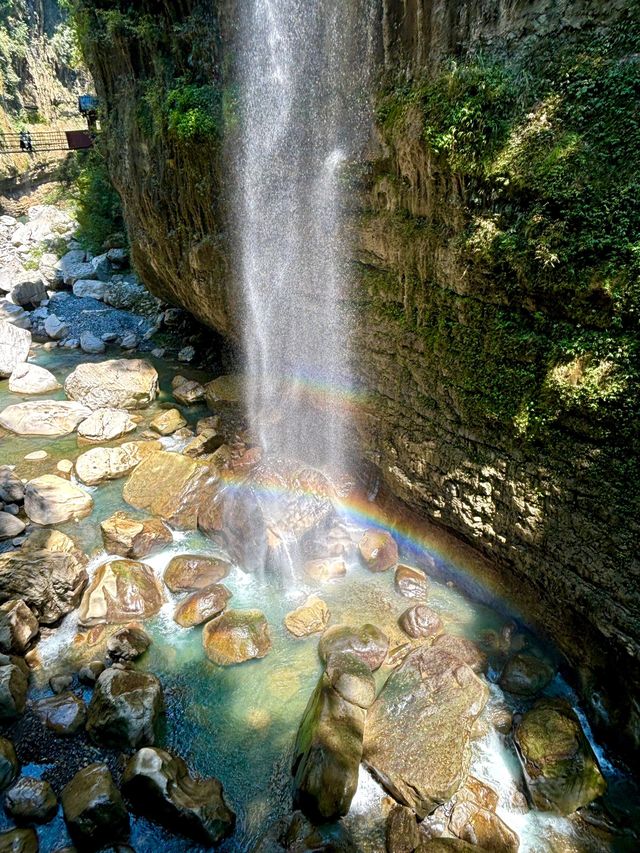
[(37, 141)]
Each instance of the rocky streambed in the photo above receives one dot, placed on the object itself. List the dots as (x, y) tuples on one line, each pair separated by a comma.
[(201, 647)]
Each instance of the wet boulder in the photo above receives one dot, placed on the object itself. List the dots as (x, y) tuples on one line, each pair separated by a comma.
[(463, 649), (106, 425), (202, 605), (43, 417), (119, 383), (327, 753), (236, 636), (94, 811), (63, 714), (14, 347), (351, 678), (224, 390), (420, 621), (411, 583), (167, 422), (129, 643), (50, 582), (31, 799), (121, 591), (9, 765), (186, 391), (18, 627), (109, 463), (191, 572), (525, 675), (419, 728), (378, 550), (367, 642), (32, 379), (53, 500), (560, 768), (133, 537), (19, 841), (401, 832), (125, 708), (10, 526), (159, 785), (13, 692), (310, 618)]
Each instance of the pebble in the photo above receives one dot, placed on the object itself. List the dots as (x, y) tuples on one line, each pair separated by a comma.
[(36, 456)]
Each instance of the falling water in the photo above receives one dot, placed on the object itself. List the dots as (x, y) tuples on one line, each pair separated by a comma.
[(304, 118)]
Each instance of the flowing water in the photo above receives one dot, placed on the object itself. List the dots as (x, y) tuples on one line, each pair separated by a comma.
[(303, 72)]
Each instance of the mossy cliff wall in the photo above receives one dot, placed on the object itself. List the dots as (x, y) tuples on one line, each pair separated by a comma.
[(495, 275)]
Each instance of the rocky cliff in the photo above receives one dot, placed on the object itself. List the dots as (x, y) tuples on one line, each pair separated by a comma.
[(495, 275)]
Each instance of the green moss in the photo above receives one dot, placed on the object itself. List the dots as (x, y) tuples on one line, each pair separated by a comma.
[(194, 112)]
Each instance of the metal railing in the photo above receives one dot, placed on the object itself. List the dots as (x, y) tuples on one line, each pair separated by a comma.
[(38, 141)]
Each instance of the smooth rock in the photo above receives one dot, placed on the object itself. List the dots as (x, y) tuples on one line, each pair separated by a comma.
[(30, 289), (9, 765), (167, 422), (18, 627), (411, 583), (525, 675), (88, 288), (351, 678), (31, 799), (91, 343), (191, 572), (13, 692), (310, 618), (187, 391), (129, 643), (65, 468), (56, 328), (11, 486), (132, 537), (36, 456), (224, 390), (367, 642), (19, 841), (63, 714), (402, 834), (93, 808), (167, 485), (52, 500), (14, 347), (32, 379), (43, 417), (202, 605), (10, 526), (378, 550), (60, 683), (420, 621), (160, 786), (50, 582), (125, 708), (118, 383), (106, 425), (121, 591), (129, 341), (236, 636), (108, 463)]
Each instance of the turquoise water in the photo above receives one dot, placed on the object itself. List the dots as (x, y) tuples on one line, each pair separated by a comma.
[(239, 723)]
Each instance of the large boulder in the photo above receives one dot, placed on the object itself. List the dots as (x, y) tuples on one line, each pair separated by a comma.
[(560, 768), (202, 605), (93, 808), (74, 266), (236, 636), (133, 537), (128, 643), (420, 621), (225, 390), (411, 582), (327, 753), (106, 425), (63, 714), (463, 649), (378, 550), (13, 692), (367, 642), (525, 675), (125, 708), (86, 288), (32, 379), (43, 417), (91, 343), (121, 591), (31, 799), (120, 383), (109, 463), (53, 500), (50, 582), (310, 618), (419, 728), (10, 526), (18, 627), (167, 422), (14, 347), (29, 289), (160, 786), (191, 572)]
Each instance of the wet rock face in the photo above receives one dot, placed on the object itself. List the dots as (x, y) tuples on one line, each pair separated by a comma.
[(120, 591), (378, 550), (525, 675), (191, 572), (202, 605), (310, 618), (19, 841), (64, 714), (125, 708), (411, 583), (367, 642), (53, 500), (133, 537), (18, 626), (160, 786), (420, 621), (236, 636), (559, 766), (8, 763), (31, 800), (128, 643), (417, 739), (49, 582), (118, 383), (93, 808)]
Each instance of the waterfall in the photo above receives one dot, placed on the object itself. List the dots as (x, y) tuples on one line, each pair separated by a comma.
[(302, 69)]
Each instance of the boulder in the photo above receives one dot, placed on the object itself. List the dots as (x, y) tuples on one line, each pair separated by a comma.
[(132, 537), (63, 714), (9, 765), (419, 728), (225, 390), (202, 605), (128, 643), (73, 266), (463, 649), (43, 417), (118, 258), (236, 636), (119, 383), (191, 572), (207, 442), (560, 768), (402, 834), (15, 315), (14, 347), (125, 708), (310, 618), (32, 379), (352, 679), (30, 289), (121, 591), (159, 785), (167, 422), (367, 642), (87, 288), (13, 692), (525, 675), (186, 391), (93, 808), (55, 328), (327, 753), (18, 627), (108, 463), (53, 500), (19, 841), (378, 550), (10, 526), (49, 582), (91, 343), (31, 799), (106, 425), (411, 583), (11, 486), (420, 621), (325, 569)]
